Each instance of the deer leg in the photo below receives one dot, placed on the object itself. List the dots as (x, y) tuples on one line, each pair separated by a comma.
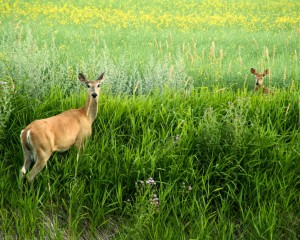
[(79, 145), (41, 161), (27, 161)]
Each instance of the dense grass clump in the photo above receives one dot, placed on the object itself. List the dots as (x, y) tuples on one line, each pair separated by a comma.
[(218, 160)]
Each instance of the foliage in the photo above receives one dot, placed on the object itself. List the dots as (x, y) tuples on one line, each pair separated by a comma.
[(177, 112), (184, 15), (6, 94)]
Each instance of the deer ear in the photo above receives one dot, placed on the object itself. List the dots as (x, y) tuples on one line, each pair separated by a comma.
[(253, 71), (266, 72), (82, 78), (101, 77)]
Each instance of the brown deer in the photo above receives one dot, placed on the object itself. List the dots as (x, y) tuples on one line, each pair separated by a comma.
[(259, 79), (58, 133)]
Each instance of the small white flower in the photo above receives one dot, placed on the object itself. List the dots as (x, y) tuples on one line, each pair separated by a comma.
[(151, 181)]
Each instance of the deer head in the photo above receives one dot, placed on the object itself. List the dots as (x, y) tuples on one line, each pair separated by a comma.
[(259, 78)]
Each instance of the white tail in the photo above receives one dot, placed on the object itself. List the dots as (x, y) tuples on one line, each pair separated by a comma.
[(58, 133)]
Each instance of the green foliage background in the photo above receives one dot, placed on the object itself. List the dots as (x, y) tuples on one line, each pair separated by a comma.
[(177, 106)]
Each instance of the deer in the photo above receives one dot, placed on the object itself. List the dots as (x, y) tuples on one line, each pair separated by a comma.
[(58, 133), (259, 79)]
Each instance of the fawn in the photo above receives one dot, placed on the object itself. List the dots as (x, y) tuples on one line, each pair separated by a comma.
[(259, 79)]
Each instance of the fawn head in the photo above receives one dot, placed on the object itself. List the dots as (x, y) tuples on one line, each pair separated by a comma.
[(92, 86), (259, 77)]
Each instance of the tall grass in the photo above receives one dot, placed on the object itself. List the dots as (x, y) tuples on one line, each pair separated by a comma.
[(221, 161), (182, 147), (150, 61)]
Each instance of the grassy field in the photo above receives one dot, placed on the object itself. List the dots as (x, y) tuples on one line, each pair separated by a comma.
[(182, 147)]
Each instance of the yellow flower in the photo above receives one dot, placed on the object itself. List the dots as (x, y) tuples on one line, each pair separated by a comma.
[(185, 14)]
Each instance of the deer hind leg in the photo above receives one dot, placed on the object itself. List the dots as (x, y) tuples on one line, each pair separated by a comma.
[(27, 162), (28, 155), (41, 161)]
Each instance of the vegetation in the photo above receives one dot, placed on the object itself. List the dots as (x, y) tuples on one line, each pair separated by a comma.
[(182, 147)]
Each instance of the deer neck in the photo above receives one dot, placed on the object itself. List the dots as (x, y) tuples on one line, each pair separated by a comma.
[(90, 108)]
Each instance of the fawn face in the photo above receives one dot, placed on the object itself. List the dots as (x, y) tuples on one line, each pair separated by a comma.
[(259, 77)]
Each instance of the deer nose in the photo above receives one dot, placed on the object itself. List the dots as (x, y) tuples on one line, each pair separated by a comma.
[(94, 95), (257, 83)]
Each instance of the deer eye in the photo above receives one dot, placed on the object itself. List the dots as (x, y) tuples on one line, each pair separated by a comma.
[(98, 85), (88, 85)]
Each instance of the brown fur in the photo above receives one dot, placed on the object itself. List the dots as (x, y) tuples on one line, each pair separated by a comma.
[(58, 133), (259, 80)]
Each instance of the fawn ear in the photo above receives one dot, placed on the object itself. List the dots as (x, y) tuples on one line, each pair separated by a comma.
[(101, 77), (82, 78), (266, 72), (253, 71)]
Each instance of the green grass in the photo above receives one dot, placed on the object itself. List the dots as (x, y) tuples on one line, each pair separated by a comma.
[(177, 106), (155, 59), (237, 151)]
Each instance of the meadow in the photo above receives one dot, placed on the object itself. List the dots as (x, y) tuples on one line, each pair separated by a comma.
[(182, 147)]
